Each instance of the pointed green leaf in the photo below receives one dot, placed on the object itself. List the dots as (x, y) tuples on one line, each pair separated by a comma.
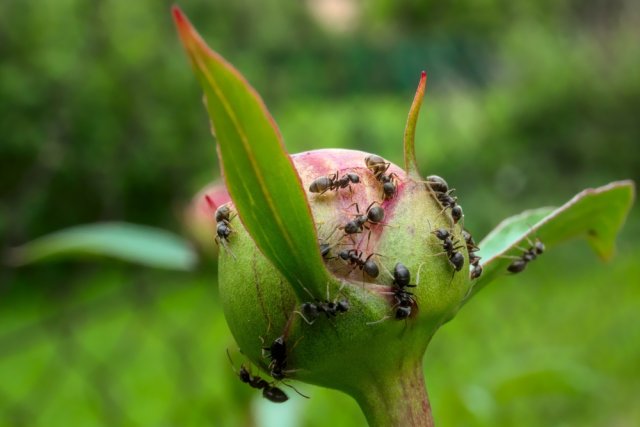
[(596, 214), (128, 242), (410, 164), (259, 175)]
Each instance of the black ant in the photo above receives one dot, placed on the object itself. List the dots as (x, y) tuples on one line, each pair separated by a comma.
[(378, 166), (449, 201), (389, 185), (310, 311), (441, 189), (354, 257), (223, 217), (405, 301), (520, 263), (325, 249), (456, 258), (277, 355), (373, 215), (437, 184), (269, 391), (474, 260), (333, 182)]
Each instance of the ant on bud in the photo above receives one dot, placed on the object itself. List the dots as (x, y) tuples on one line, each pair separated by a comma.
[(456, 258), (310, 311), (269, 391), (223, 216), (333, 182), (520, 263), (404, 300), (354, 258), (474, 260), (277, 355), (442, 192), (378, 166), (437, 184), (373, 215)]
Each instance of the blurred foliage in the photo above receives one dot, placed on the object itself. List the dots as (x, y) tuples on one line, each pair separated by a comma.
[(100, 119)]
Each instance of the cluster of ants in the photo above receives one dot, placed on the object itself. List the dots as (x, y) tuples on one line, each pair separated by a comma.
[(404, 301), (373, 214), (442, 192)]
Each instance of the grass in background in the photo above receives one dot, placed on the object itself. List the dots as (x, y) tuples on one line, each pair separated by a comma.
[(556, 345)]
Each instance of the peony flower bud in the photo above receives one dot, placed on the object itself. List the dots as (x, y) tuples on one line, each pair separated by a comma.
[(386, 327)]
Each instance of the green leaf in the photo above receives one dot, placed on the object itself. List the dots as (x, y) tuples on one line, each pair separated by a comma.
[(128, 242), (596, 214), (259, 175), (410, 164)]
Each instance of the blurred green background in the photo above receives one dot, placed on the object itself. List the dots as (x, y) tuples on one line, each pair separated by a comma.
[(100, 119)]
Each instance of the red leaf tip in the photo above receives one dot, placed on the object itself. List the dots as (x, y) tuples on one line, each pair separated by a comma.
[(210, 202), (178, 16)]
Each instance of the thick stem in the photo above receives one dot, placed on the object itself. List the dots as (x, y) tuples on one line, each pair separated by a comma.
[(399, 399)]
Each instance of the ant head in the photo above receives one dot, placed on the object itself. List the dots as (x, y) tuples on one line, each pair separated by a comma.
[(441, 233), (389, 189), (476, 272), (343, 306)]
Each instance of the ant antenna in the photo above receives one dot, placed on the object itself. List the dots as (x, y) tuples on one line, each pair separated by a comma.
[(231, 361), (296, 390)]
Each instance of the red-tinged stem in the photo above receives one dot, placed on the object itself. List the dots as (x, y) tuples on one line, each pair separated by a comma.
[(410, 164), (399, 399)]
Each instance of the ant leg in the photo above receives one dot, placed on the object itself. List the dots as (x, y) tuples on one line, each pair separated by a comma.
[(438, 254), (511, 257), (231, 361), (368, 237), (356, 205), (371, 204), (418, 275), (296, 390), (453, 273), (337, 293), (379, 321), (263, 348), (386, 270), (304, 318), (295, 344), (226, 248)]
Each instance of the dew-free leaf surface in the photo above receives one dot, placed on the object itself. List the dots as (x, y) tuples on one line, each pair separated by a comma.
[(127, 242), (595, 214), (259, 174)]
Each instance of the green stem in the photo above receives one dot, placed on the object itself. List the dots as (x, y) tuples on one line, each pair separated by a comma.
[(397, 400)]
